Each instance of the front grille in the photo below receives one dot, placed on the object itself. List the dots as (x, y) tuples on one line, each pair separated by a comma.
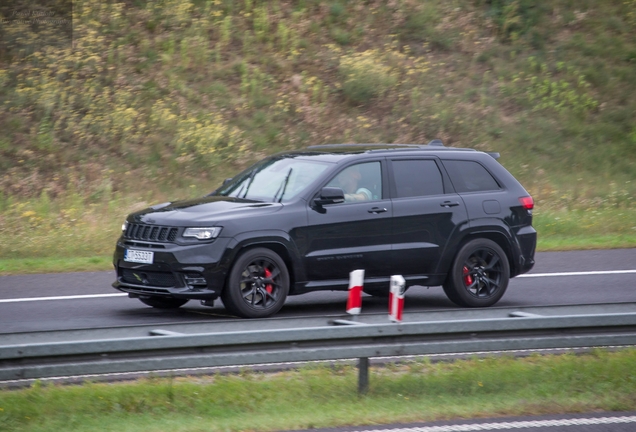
[(149, 278), (144, 245), (150, 232)]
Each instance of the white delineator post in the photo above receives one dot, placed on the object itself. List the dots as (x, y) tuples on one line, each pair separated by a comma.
[(396, 298), (354, 302)]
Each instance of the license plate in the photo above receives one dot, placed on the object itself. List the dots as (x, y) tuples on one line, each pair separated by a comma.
[(137, 256)]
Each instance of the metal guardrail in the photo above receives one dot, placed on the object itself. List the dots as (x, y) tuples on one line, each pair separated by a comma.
[(171, 350)]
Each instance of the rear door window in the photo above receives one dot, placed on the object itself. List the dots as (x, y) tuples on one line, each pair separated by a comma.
[(470, 176), (416, 178)]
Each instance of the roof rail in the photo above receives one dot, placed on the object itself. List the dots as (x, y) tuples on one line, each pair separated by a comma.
[(433, 143), (318, 146)]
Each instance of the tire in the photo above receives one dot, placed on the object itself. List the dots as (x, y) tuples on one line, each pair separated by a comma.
[(163, 302), (258, 284), (479, 275)]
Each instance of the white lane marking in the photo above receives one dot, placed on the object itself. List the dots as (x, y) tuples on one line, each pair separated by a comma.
[(92, 296), (73, 297), (514, 425), (587, 273)]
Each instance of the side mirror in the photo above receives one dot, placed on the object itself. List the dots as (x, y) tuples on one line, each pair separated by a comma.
[(225, 182), (330, 195)]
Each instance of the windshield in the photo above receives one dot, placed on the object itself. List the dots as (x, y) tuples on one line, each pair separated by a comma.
[(274, 180)]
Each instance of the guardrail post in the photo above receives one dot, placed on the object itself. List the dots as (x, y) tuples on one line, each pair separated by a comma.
[(363, 375)]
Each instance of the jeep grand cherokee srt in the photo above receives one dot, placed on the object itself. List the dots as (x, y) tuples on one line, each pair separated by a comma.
[(300, 221)]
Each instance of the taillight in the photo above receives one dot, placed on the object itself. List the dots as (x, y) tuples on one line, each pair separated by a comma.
[(527, 202)]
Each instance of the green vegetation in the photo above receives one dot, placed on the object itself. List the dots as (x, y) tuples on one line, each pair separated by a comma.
[(54, 265), (157, 100), (322, 396)]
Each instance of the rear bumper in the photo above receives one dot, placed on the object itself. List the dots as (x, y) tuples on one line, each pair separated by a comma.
[(527, 240)]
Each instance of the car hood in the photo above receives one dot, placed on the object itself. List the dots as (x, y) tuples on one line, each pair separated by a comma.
[(206, 210)]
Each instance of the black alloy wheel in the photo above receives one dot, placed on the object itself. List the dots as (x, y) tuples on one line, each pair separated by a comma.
[(163, 302), (258, 284), (479, 275)]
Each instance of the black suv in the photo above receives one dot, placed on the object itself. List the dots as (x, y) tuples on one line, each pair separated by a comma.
[(300, 221)]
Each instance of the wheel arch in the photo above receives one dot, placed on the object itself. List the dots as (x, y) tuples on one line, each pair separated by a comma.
[(498, 237), (280, 245), (475, 279), (493, 234)]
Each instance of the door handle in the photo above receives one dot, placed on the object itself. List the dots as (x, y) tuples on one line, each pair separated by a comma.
[(377, 210), (448, 204)]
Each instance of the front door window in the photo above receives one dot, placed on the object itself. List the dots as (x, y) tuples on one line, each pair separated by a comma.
[(360, 182)]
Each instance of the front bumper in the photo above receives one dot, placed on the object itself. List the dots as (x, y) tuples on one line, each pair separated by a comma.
[(194, 272)]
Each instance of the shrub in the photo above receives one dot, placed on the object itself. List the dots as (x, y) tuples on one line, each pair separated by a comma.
[(561, 88), (514, 18), (365, 76), (204, 139)]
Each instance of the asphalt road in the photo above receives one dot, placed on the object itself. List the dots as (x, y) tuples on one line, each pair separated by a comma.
[(86, 300), (595, 422)]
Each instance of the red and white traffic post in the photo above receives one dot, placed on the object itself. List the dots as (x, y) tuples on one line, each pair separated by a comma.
[(396, 298), (354, 302)]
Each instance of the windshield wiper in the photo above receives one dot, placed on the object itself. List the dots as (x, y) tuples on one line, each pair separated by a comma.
[(283, 186), (249, 183)]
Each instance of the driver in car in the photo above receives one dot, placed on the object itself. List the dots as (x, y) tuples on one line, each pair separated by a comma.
[(348, 181)]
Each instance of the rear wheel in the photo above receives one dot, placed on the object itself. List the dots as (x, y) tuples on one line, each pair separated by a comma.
[(479, 275), (258, 284), (163, 302)]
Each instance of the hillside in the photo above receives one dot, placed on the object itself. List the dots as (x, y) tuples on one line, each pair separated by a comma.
[(161, 98)]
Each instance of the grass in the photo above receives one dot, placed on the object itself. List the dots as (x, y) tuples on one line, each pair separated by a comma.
[(604, 228), (322, 396), (167, 99), (54, 265), (164, 95)]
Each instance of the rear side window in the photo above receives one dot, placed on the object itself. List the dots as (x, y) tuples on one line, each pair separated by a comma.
[(469, 176), (415, 178)]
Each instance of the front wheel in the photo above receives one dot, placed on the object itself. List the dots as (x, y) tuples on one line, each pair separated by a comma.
[(479, 275), (163, 302), (257, 285)]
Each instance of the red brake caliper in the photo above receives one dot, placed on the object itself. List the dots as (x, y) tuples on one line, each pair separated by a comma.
[(468, 279), (269, 288)]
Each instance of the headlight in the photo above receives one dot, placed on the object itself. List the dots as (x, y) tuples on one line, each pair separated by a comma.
[(202, 233), (124, 226)]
